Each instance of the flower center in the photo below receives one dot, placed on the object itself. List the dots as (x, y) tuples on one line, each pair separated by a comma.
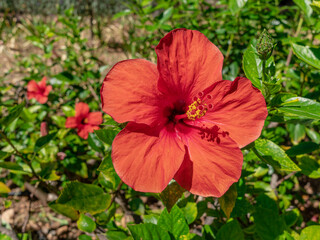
[(199, 107), (196, 110), (84, 121)]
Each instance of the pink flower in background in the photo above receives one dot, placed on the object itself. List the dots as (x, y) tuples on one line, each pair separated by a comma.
[(44, 129), (39, 91), (84, 120)]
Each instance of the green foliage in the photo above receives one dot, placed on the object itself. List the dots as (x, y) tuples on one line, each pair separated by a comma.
[(84, 197), (275, 44)]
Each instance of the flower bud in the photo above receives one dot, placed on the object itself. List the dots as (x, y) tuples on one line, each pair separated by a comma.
[(44, 129), (265, 45)]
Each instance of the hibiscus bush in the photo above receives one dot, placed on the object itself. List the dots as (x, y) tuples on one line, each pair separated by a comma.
[(191, 119)]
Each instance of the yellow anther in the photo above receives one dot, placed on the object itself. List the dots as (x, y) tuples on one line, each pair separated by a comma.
[(195, 111)]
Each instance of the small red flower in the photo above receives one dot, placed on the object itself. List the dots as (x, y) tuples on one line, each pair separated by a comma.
[(39, 91), (84, 120), (185, 122)]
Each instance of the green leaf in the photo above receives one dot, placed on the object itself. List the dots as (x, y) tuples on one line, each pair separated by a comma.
[(121, 14), (108, 176), (310, 233), (252, 66), (4, 188), (106, 135), (272, 154), (291, 217), (4, 237), (269, 225), (313, 135), (171, 194), (95, 143), (43, 141), (236, 5), (4, 155), (230, 230), (315, 6), (86, 224), (173, 222), (302, 148), (301, 107), (13, 114), (228, 200), (11, 166), (304, 5), (297, 132), (166, 15), (148, 231), (307, 54), (309, 166), (190, 212), (104, 217), (64, 210), (84, 197), (84, 237)]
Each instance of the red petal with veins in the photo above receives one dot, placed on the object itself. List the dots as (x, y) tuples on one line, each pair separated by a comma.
[(129, 92), (213, 162), (145, 158), (187, 63), (238, 108)]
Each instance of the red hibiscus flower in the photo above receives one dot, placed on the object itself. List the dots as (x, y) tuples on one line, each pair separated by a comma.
[(184, 121), (84, 120), (39, 91)]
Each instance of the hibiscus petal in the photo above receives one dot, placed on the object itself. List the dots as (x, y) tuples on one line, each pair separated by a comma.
[(146, 159), (41, 99), (71, 122), (31, 95), (33, 86), (47, 90), (42, 83), (82, 110), (129, 92), (83, 132), (187, 62), (210, 167), (238, 108), (95, 118)]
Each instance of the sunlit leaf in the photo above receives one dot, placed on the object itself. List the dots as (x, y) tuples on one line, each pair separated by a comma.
[(148, 231), (272, 154), (310, 233), (309, 55), (84, 197), (173, 222), (252, 66), (301, 107), (236, 5)]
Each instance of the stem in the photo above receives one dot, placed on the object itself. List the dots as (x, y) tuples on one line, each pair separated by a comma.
[(18, 153), (26, 161), (115, 194)]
